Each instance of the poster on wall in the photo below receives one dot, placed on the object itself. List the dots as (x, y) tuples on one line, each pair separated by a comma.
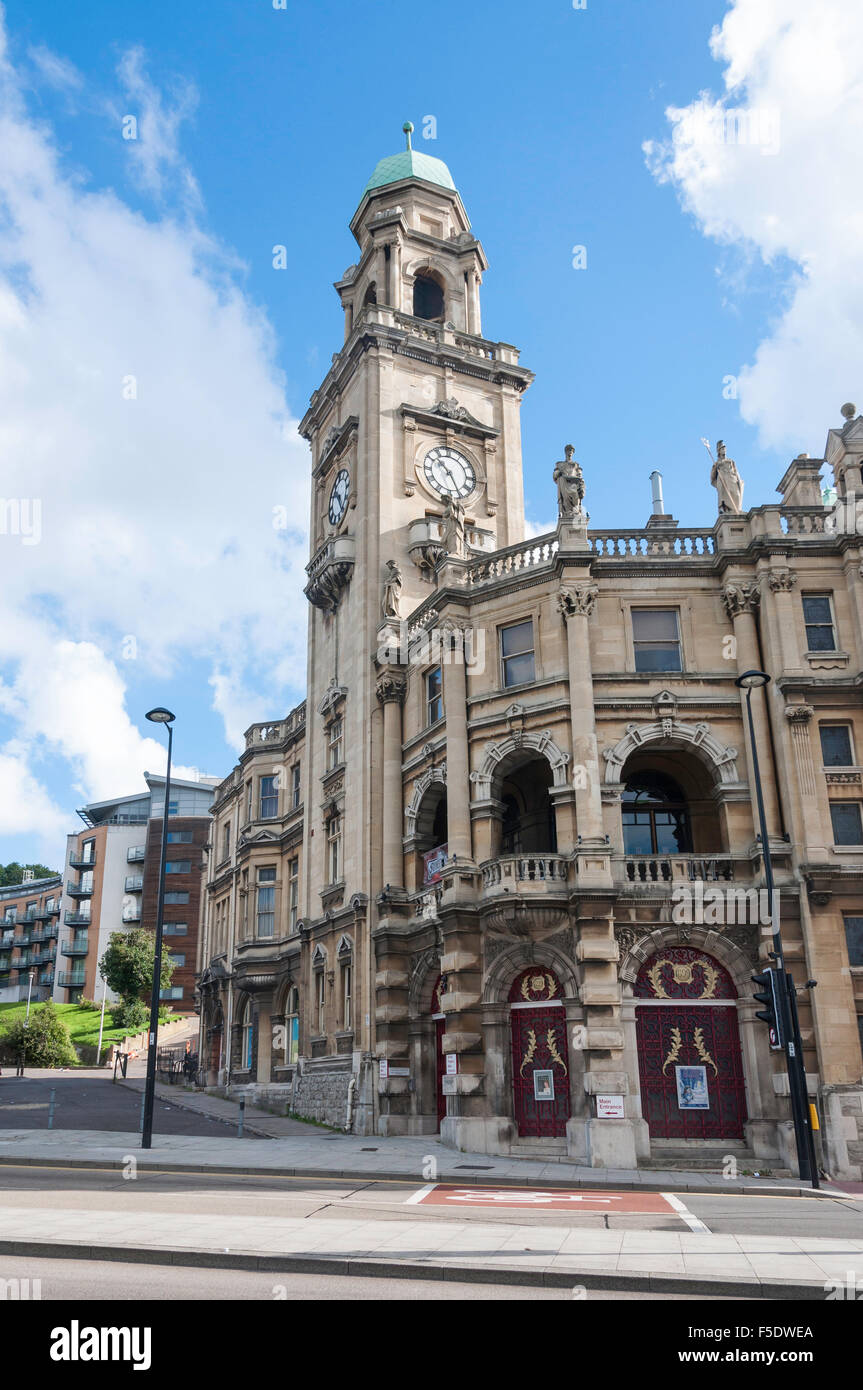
[(692, 1088), (543, 1085)]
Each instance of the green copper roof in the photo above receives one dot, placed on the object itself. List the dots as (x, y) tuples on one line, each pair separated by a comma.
[(409, 164)]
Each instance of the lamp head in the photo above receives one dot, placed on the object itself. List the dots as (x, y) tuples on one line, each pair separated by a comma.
[(752, 680), (160, 715)]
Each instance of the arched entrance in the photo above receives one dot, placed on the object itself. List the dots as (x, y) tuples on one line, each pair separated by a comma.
[(540, 1056), (689, 1059), (440, 1057)]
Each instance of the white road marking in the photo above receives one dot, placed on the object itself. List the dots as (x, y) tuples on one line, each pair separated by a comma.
[(418, 1196), (685, 1214)]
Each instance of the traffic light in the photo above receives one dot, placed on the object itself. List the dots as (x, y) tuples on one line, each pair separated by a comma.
[(769, 984)]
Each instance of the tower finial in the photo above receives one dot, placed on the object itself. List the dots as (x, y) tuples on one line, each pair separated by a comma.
[(408, 130)]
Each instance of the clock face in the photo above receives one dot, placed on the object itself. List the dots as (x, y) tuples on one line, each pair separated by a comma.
[(339, 496), (449, 472)]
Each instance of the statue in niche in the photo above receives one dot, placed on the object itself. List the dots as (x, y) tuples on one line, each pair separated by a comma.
[(570, 486), (727, 481), (453, 529), (391, 602)]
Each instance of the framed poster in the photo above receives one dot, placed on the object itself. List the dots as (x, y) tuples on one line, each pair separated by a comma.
[(543, 1085), (692, 1088)]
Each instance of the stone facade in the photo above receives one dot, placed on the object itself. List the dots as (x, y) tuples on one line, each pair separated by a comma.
[(524, 765)]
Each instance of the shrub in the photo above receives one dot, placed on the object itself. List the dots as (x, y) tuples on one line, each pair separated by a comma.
[(43, 1041)]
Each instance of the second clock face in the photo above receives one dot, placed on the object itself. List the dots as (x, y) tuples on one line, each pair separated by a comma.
[(339, 496), (449, 472)]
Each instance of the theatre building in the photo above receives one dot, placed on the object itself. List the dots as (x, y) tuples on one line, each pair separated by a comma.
[(498, 876)]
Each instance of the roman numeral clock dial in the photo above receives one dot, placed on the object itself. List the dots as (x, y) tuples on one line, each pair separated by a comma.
[(339, 497), (448, 472)]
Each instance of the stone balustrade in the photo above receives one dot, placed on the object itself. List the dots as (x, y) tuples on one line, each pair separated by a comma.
[(674, 868), (652, 544), (522, 869)]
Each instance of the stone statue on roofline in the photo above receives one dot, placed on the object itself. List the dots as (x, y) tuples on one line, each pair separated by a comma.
[(570, 486), (727, 481)]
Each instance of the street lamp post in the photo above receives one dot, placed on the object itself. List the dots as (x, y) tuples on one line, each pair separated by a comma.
[(786, 1006), (157, 716)]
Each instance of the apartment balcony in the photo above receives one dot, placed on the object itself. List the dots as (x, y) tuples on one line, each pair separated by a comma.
[(74, 948), (75, 863), (136, 854), (77, 890), (22, 940), (131, 916), (47, 979), (134, 883), (77, 919), (71, 979)]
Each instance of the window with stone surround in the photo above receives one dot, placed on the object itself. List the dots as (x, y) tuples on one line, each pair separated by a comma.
[(518, 665), (292, 1027), (335, 735), (269, 797), (847, 822), (293, 893), (266, 906), (334, 848), (854, 939), (434, 695), (656, 639), (836, 749), (320, 1002), (820, 627)]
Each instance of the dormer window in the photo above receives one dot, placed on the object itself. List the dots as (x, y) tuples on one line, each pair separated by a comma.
[(428, 299)]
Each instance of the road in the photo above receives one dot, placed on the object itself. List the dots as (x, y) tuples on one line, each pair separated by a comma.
[(322, 1199), (89, 1100)]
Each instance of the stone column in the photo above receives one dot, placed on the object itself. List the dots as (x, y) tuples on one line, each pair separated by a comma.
[(781, 582), (391, 687), (741, 602), (457, 756), (576, 602)]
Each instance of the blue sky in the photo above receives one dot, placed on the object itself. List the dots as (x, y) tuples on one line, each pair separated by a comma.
[(268, 124)]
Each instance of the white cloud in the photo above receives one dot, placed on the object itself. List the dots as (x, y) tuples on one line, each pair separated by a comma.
[(770, 169), (142, 407)]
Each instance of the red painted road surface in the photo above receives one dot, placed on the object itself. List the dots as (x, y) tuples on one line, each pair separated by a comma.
[(445, 1195)]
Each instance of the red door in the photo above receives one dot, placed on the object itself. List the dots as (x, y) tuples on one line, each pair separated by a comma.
[(540, 1071), (689, 1059), (672, 1039), (440, 1068)]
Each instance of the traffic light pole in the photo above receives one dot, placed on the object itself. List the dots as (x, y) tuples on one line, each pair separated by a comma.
[(789, 1031)]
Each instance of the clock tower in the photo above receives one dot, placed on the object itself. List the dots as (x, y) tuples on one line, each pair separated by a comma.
[(416, 455)]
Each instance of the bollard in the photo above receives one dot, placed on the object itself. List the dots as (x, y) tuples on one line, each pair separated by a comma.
[(242, 1118), (51, 1109)]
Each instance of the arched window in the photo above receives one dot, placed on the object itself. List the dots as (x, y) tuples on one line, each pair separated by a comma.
[(428, 299), (292, 1028), (655, 816), (247, 1029)]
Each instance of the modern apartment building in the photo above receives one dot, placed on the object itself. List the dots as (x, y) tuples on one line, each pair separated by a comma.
[(112, 874), (29, 927)]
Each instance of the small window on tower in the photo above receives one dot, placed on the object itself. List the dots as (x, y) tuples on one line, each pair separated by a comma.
[(428, 298)]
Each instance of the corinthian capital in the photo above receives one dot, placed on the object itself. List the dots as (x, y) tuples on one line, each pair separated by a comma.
[(741, 598), (578, 600), (391, 685), (782, 579), (799, 714)]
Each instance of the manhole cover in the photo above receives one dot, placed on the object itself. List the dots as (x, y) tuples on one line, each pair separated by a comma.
[(368, 1151), (476, 1167)]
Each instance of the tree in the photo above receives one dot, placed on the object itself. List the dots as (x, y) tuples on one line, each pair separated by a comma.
[(14, 872), (127, 965), (43, 1040)]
